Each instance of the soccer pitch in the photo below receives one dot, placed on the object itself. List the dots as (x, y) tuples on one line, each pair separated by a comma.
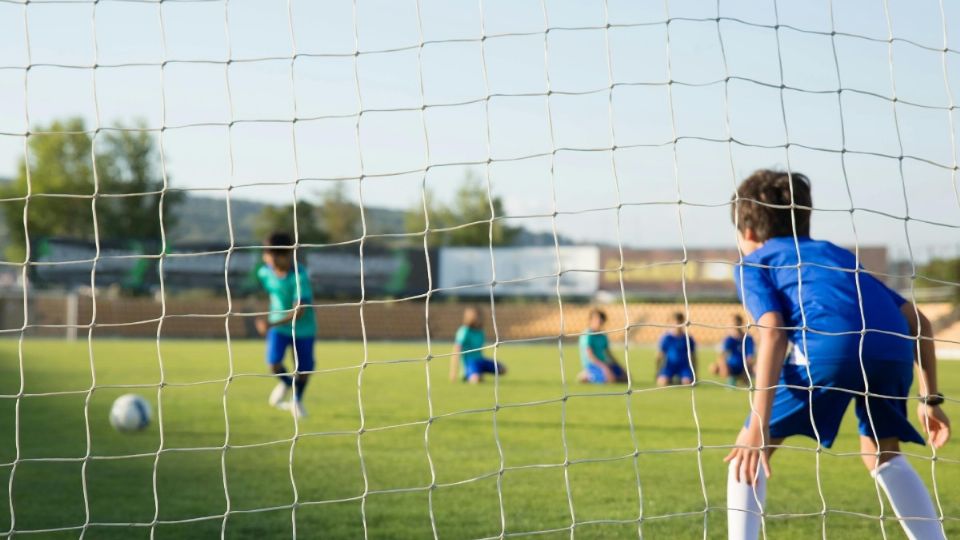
[(269, 465)]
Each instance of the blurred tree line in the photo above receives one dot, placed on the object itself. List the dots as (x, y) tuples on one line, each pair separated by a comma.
[(945, 271), (466, 220), (336, 218), (78, 183), (333, 219), (70, 175)]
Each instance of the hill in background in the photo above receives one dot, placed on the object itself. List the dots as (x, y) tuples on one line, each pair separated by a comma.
[(203, 219)]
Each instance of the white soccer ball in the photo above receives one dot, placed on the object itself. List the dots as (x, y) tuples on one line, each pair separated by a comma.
[(130, 412)]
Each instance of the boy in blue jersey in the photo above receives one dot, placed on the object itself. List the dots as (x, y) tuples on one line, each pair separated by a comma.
[(845, 326), (736, 355), (599, 364), (291, 322), (676, 354), (468, 360)]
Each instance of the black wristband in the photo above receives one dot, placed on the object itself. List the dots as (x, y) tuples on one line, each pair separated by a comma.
[(932, 399)]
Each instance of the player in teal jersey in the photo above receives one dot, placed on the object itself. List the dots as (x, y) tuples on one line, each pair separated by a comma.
[(599, 364), (291, 322), (468, 359)]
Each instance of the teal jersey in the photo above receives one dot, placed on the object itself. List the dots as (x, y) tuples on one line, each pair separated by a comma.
[(283, 296), (470, 341), (598, 343)]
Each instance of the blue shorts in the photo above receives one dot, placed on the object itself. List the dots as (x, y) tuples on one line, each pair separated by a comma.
[(595, 374), (278, 343), (480, 366), (735, 369), (829, 400), (681, 370)]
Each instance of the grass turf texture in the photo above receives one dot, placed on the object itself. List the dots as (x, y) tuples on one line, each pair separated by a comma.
[(264, 468)]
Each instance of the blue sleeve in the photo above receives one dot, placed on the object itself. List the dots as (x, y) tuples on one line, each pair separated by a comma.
[(758, 293), (748, 347), (461, 336), (306, 290), (662, 346), (693, 344), (728, 343)]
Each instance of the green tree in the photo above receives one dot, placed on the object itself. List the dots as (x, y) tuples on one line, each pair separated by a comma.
[(941, 270), (471, 204), (334, 219), (129, 166), (340, 215), (55, 187), (280, 218), (61, 164)]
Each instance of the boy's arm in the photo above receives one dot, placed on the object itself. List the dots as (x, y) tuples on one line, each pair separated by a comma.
[(293, 314), (749, 454), (932, 418), (594, 359), (607, 373), (658, 361), (724, 354), (455, 362), (264, 323)]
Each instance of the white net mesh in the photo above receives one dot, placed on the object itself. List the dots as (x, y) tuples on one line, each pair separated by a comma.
[(633, 129)]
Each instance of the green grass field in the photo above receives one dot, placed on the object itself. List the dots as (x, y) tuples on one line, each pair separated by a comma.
[(225, 452)]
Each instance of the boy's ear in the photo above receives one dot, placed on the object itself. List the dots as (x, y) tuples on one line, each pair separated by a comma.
[(749, 235)]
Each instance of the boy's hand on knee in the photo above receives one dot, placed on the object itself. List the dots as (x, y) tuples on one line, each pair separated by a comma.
[(262, 325), (750, 454), (935, 423), (609, 375)]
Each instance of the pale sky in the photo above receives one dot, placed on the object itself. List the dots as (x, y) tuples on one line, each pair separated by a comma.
[(192, 95)]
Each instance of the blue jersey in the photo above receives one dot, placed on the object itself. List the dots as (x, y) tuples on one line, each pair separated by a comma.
[(284, 293), (824, 293), (736, 348), (674, 349), (598, 343), (470, 341)]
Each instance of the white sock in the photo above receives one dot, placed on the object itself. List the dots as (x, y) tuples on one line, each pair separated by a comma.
[(909, 499), (744, 506)]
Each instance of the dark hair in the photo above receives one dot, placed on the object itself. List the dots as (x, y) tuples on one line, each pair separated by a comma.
[(738, 319), (278, 243), (679, 317), (764, 203), (599, 313)]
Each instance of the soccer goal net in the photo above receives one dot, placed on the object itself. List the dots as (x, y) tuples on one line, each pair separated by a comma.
[(360, 263)]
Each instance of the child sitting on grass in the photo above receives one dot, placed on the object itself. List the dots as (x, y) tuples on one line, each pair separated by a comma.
[(599, 364), (676, 354), (736, 355), (468, 353)]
